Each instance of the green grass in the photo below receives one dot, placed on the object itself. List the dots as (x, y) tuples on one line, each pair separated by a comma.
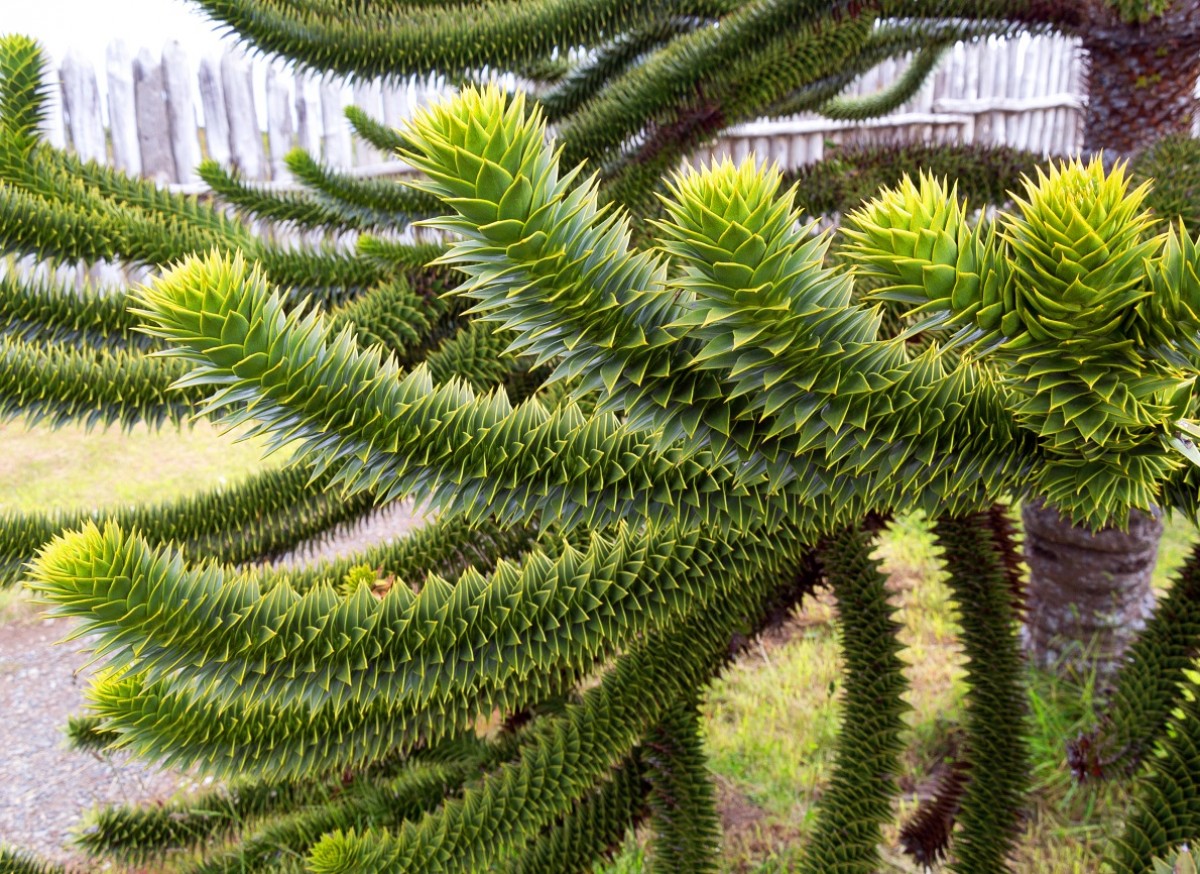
[(1178, 536), (772, 719), (42, 468), (73, 467)]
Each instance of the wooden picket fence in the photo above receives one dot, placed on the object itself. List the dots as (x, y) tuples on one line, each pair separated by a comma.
[(1025, 92), (163, 113)]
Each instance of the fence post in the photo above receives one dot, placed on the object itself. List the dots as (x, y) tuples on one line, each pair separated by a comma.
[(216, 119), (157, 161), (307, 136), (395, 102), (181, 112), (1078, 86), (280, 130), (336, 139), (122, 110), (81, 106), (245, 136)]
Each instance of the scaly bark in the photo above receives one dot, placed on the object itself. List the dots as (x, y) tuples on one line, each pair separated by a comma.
[(1087, 593), (1141, 77)]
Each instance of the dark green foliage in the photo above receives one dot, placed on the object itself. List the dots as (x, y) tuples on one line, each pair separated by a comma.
[(1172, 166), (584, 82), (1006, 541), (476, 354), (593, 830), (363, 803), (281, 821), (60, 383), (265, 515), (393, 316), (891, 98), (330, 201), (387, 139), (852, 175), (315, 724), (447, 547), (372, 199), (720, 397), (51, 313), (297, 208), (13, 861), (995, 750), (760, 52), (1166, 809), (137, 835), (1149, 684), (411, 258), (371, 40), (563, 756), (857, 801), (681, 800), (407, 317)]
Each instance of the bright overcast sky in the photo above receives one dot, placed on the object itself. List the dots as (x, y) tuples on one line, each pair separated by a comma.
[(89, 25)]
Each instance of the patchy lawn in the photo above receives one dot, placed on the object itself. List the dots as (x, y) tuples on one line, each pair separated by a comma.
[(43, 468), (772, 721), (71, 466)]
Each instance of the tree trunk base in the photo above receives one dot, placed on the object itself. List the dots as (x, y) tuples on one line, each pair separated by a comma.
[(1089, 594)]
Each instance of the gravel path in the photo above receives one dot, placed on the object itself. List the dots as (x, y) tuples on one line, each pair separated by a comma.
[(383, 525), (45, 787)]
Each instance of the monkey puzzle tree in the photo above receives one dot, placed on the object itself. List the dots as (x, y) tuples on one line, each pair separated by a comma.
[(640, 454), (659, 79)]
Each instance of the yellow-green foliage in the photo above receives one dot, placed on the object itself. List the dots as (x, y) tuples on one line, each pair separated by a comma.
[(1077, 297)]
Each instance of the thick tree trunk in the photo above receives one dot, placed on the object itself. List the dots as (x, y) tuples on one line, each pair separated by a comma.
[(1089, 594), (1141, 77)]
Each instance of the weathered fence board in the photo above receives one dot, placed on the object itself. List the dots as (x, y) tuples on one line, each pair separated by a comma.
[(245, 135), (181, 111), (280, 127), (152, 124), (308, 134), (396, 103), (122, 112), (335, 141), (81, 109), (1026, 92), (216, 119)]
